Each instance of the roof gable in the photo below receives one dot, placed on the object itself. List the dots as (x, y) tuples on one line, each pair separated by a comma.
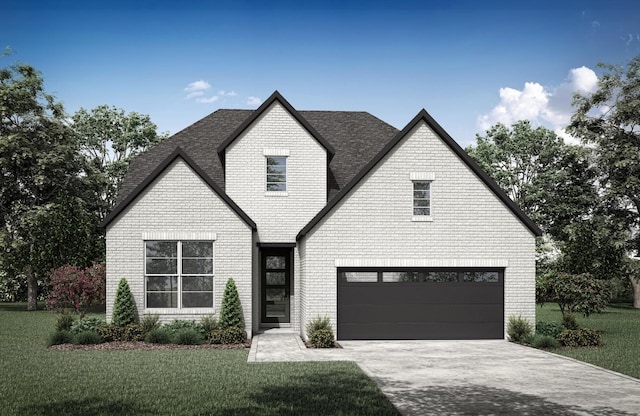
[(177, 153), (453, 146), (260, 110)]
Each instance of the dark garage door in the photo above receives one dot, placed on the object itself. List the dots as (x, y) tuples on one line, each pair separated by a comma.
[(420, 303)]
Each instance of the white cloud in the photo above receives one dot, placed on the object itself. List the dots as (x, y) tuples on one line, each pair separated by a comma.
[(211, 99), (194, 94), (200, 85), (541, 105), (254, 101), (224, 93)]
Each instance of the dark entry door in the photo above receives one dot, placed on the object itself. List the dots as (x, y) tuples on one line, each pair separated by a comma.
[(276, 279)]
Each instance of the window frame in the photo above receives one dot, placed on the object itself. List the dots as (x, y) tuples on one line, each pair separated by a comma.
[(180, 275), (267, 174), (422, 273), (419, 216)]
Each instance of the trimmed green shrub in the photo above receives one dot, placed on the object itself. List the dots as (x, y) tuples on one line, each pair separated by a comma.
[(174, 327), (64, 321), (157, 336), (111, 332), (60, 337), (569, 322), (87, 338), (149, 322), (231, 309), (552, 329), (86, 324), (133, 332), (322, 338), (544, 341), (209, 323), (519, 329), (579, 338), (124, 309), (231, 335), (316, 324), (188, 336)]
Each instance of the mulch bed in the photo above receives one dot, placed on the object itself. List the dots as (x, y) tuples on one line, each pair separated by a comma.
[(146, 346)]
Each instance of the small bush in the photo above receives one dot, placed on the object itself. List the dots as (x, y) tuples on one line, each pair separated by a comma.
[(133, 332), (87, 338), (228, 336), (519, 329), (149, 322), (188, 336), (231, 309), (552, 329), (579, 338), (64, 321), (209, 323), (111, 332), (544, 341), (322, 338), (317, 324), (87, 324), (174, 327), (569, 322), (157, 336), (60, 337), (124, 309)]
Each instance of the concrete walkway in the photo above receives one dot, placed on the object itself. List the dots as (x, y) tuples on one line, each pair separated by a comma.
[(492, 377)]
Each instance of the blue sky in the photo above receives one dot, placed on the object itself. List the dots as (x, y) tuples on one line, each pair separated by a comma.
[(469, 64)]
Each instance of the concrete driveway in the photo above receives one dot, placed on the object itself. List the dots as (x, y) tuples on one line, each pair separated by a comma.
[(491, 378)]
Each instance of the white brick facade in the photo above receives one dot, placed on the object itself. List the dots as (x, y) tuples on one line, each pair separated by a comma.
[(178, 204), (373, 226)]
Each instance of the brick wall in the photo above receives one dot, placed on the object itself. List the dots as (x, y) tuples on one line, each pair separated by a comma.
[(179, 205), (470, 227)]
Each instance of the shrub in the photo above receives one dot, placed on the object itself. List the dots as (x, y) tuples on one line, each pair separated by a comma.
[(231, 309), (579, 338), (150, 322), (544, 341), (209, 323), (174, 327), (569, 322), (316, 324), (60, 337), (552, 329), (573, 292), (519, 329), (64, 321), (133, 332), (76, 288), (124, 309), (188, 336), (322, 338), (87, 338), (86, 324), (111, 332), (231, 335), (157, 336)]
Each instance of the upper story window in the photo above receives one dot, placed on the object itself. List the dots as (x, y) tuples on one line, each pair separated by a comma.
[(276, 173), (421, 198)]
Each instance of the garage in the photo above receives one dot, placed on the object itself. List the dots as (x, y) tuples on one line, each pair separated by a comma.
[(420, 303)]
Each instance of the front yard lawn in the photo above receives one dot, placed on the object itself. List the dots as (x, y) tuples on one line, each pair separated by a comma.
[(38, 381), (620, 330)]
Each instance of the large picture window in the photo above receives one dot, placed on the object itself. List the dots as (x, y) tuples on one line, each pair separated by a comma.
[(276, 173), (179, 274)]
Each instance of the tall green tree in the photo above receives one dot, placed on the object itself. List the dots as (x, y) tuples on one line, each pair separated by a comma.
[(551, 181), (41, 202), (110, 137), (609, 120)]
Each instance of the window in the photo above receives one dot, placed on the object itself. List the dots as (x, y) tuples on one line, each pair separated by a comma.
[(360, 277), (421, 275), (276, 173), (421, 198), (179, 274)]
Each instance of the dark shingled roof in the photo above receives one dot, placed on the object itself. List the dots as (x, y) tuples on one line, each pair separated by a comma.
[(356, 137)]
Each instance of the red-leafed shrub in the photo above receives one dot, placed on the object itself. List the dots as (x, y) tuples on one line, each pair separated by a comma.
[(77, 289)]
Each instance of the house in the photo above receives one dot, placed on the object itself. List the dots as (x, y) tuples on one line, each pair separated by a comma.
[(391, 234)]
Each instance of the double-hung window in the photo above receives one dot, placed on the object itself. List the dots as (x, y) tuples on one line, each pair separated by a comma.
[(421, 198), (276, 173), (179, 274)]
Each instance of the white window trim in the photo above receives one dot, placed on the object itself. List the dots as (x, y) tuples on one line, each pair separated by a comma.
[(276, 152), (179, 310)]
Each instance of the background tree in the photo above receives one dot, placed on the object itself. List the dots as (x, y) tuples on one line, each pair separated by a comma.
[(110, 137), (42, 182), (609, 120)]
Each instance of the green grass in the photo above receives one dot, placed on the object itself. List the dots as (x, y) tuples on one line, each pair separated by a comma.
[(38, 381), (619, 327)]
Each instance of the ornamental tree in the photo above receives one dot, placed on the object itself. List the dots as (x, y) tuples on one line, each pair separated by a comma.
[(231, 309), (573, 292), (124, 308), (76, 288)]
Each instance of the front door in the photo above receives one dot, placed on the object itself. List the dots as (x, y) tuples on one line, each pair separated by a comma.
[(276, 289)]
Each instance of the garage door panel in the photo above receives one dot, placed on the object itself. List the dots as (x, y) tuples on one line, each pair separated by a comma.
[(426, 293), (449, 313), (432, 330)]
